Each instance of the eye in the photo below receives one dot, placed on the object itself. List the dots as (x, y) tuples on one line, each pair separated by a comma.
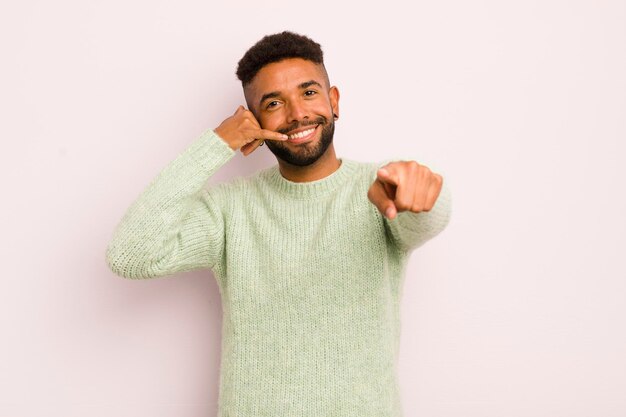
[(271, 104), (310, 93)]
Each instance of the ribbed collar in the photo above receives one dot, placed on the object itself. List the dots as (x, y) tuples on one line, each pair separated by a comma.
[(311, 189)]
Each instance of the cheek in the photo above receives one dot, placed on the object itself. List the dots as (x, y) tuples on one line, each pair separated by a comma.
[(324, 108), (271, 121)]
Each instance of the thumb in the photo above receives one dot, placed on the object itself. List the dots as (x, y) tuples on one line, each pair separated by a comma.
[(384, 175), (377, 194)]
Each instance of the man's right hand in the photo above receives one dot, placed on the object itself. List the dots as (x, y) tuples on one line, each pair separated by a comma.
[(242, 131)]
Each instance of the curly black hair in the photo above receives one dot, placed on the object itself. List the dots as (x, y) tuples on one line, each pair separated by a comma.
[(275, 48)]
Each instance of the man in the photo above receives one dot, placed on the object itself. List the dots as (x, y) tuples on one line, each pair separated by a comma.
[(309, 254)]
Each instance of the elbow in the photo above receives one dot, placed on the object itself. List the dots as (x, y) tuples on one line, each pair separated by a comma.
[(121, 264), (116, 264)]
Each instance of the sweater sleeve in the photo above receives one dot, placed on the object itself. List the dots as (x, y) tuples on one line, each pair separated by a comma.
[(174, 225), (410, 230)]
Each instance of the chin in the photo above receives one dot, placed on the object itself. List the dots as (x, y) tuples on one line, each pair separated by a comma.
[(307, 153)]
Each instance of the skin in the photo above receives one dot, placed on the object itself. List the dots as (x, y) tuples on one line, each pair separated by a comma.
[(405, 186), (287, 95), (294, 95)]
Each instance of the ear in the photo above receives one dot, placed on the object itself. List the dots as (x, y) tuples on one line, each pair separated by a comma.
[(333, 93)]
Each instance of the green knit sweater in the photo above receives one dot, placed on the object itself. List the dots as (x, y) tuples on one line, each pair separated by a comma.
[(310, 276)]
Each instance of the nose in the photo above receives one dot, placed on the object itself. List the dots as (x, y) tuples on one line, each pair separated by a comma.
[(296, 112)]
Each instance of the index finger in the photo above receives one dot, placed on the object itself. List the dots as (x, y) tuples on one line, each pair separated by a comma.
[(270, 134), (377, 194)]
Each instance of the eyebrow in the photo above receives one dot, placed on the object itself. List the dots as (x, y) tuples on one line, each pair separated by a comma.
[(302, 86), (309, 83)]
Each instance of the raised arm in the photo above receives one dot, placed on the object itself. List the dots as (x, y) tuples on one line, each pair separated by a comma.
[(175, 224), (415, 202)]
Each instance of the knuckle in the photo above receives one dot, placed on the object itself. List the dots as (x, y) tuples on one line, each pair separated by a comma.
[(403, 205)]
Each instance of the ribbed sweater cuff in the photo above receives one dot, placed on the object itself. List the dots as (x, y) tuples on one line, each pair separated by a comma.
[(210, 151)]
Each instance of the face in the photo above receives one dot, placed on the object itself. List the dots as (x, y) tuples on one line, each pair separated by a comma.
[(293, 97)]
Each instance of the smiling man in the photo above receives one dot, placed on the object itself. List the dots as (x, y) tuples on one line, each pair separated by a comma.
[(309, 254)]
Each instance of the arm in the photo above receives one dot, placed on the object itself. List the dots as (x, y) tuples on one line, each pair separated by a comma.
[(410, 230), (415, 202), (174, 225)]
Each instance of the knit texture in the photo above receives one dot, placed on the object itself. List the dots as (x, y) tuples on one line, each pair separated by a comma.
[(310, 276)]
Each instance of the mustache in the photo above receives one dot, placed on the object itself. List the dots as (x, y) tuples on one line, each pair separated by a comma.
[(321, 120)]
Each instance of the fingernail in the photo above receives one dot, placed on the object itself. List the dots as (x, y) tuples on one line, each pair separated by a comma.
[(389, 212)]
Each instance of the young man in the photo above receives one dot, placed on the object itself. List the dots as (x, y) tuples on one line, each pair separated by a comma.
[(309, 255)]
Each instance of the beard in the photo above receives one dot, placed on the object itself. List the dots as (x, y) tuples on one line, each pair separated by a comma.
[(306, 153)]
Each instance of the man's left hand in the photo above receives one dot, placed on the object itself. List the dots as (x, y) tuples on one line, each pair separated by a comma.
[(404, 186)]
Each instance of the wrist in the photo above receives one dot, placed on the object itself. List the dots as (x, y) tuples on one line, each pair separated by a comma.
[(221, 135)]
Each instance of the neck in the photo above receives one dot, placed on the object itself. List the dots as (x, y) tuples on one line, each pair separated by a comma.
[(323, 167)]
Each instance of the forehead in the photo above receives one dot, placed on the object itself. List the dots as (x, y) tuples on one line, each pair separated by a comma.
[(283, 76)]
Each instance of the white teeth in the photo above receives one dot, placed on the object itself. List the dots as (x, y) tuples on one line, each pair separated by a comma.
[(301, 134)]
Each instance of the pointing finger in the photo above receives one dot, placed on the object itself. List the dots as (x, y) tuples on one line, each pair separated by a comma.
[(378, 196)]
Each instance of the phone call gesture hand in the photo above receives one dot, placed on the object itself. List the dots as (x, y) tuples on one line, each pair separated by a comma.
[(242, 131)]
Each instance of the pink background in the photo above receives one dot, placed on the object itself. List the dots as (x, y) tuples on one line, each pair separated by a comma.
[(517, 309)]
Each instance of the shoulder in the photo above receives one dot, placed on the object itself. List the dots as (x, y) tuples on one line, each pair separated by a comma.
[(236, 188), (362, 170)]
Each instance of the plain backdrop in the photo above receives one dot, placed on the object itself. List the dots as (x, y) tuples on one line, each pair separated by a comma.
[(516, 309)]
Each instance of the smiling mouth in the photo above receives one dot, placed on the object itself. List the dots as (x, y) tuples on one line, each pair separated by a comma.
[(302, 134)]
